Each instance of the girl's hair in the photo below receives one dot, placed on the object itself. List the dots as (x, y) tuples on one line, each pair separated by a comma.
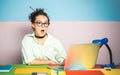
[(37, 12)]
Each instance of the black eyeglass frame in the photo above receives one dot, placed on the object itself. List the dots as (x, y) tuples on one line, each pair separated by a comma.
[(41, 24)]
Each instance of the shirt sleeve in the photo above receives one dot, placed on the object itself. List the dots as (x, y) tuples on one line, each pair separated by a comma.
[(26, 51), (62, 54)]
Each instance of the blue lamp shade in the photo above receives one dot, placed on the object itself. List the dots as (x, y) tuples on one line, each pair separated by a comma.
[(100, 41)]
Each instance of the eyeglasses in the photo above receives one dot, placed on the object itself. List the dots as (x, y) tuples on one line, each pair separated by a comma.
[(40, 24)]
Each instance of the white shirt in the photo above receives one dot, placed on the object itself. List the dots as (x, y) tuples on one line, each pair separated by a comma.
[(51, 50)]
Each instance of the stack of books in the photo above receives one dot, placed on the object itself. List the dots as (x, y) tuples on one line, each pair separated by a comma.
[(5, 68)]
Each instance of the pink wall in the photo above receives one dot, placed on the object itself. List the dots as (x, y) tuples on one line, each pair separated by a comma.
[(11, 34)]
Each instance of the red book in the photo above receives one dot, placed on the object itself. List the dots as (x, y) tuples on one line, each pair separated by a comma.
[(84, 72)]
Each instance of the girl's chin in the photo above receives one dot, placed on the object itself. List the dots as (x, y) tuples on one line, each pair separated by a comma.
[(43, 34)]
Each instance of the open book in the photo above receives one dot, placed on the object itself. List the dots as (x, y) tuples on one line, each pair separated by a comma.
[(5, 68)]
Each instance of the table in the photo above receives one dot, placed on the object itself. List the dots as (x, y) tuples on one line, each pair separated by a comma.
[(26, 70), (115, 71), (16, 68)]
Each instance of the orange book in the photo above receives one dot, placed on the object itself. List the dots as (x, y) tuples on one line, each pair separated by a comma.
[(83, 72)]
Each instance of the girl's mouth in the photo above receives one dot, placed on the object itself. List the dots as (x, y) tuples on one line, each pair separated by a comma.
[(42, 31)]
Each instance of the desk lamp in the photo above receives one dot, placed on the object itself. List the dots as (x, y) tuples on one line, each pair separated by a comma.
[(102, 42)]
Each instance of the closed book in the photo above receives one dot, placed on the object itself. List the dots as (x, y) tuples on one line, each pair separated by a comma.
[(5, 68), (84, 72)]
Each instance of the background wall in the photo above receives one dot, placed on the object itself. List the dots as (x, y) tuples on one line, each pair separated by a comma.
[(62, 10), (72, 21)]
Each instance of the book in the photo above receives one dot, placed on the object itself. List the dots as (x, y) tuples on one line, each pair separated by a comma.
[(58, 68), (84, 72), (5, 68)]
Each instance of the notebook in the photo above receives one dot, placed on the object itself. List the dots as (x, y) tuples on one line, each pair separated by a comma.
[(81, 56), (5, 68)]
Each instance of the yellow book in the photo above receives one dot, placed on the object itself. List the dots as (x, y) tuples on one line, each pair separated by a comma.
[(31, 70), (109, 72)]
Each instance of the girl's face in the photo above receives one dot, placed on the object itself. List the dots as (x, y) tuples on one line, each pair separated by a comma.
[(40, 25)]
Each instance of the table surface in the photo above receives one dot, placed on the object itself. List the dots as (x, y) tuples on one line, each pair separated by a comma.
[(24, 66), (115, 71)]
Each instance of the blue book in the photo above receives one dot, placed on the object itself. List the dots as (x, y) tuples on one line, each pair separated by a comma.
[(5, 68)]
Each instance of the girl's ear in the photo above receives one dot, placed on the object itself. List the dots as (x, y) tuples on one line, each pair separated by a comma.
[(33, 26)]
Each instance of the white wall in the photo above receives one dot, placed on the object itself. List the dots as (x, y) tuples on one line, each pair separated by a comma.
[(11, 34)]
